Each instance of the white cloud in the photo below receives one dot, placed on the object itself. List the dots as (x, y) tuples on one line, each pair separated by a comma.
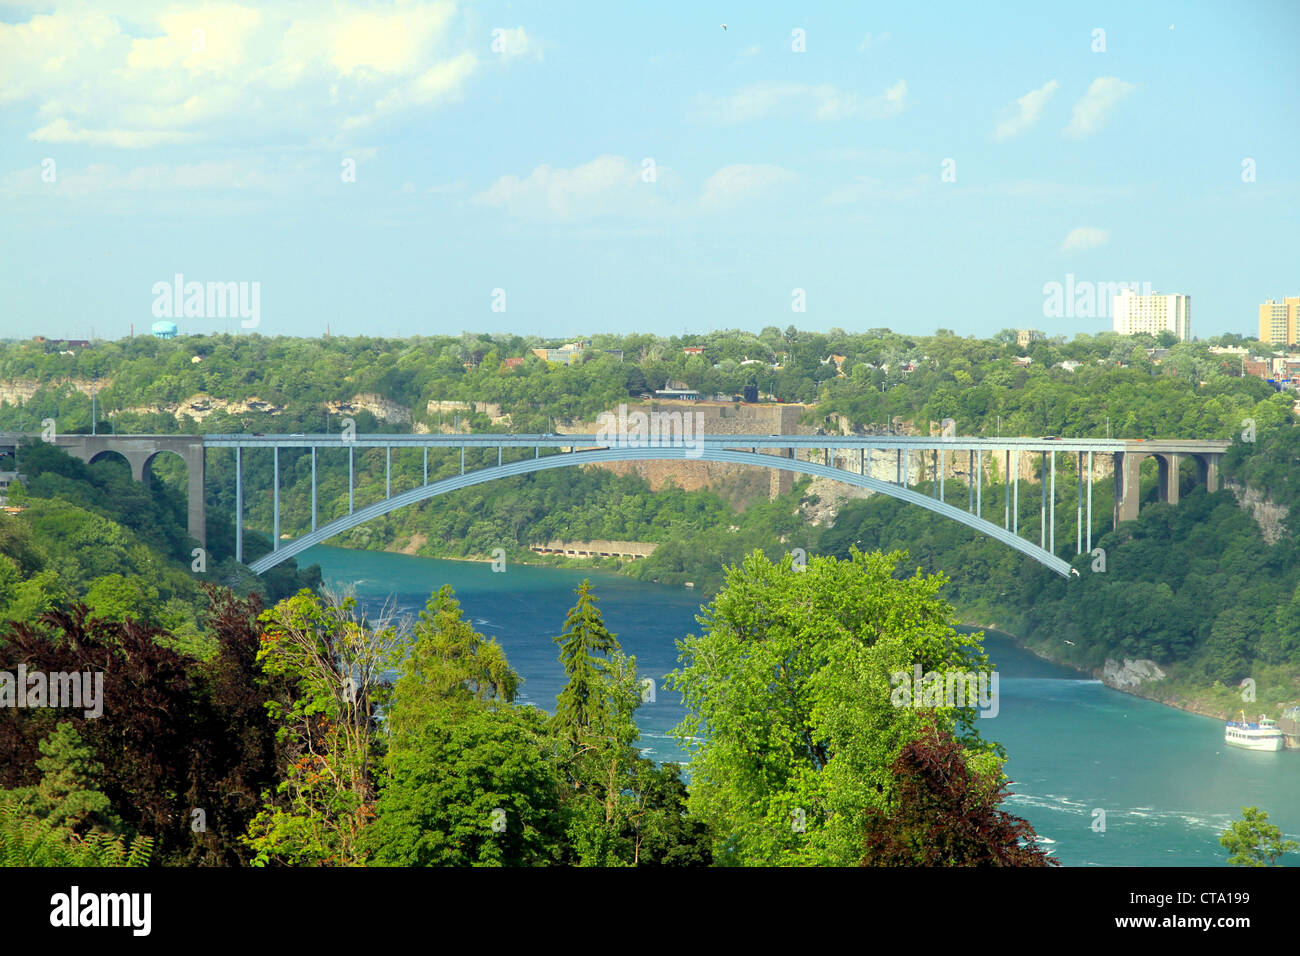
[(873, 41), (1085, 237), (1027, 111), (107, 179), (614, 186), (608, 185), (867, 187), (1092, 111), (167, 73), (730, 184), (513, 43), (823, 102)]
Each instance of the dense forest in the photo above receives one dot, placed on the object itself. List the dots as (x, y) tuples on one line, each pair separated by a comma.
[(272, 736)]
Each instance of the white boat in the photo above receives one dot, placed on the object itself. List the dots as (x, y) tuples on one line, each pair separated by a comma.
[(1263, 734)]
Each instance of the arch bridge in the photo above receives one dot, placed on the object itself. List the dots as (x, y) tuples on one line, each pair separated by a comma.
[(854, 460)]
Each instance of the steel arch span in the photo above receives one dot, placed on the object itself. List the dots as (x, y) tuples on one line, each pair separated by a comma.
[(662, 453)]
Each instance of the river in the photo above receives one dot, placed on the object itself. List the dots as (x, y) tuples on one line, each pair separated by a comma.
[(1166, 782)]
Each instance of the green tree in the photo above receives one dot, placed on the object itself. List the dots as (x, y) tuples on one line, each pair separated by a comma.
[(789, 697), (1253, 841), (447, 660), (332, 662), (66, 795), (583, 707), (475, 788)]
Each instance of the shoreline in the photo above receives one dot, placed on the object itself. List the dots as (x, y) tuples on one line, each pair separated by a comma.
[(1177, 701)]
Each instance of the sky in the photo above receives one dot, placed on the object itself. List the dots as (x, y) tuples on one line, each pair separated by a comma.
[(562, 169)]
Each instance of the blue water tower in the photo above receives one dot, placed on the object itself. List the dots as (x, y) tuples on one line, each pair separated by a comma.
[(164, 330)]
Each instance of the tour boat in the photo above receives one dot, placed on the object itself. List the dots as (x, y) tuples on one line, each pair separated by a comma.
[(1263, 734)]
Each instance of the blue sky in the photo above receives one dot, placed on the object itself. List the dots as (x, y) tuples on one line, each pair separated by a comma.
[(505, 146)]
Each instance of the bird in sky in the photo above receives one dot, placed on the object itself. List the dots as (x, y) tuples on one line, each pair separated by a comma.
[(724, 26)]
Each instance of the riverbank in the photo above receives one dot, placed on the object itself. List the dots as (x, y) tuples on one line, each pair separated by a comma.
[(1275, 688)]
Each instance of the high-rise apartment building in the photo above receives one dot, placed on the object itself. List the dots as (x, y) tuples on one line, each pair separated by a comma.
[(1152, 314), (1278, 320)]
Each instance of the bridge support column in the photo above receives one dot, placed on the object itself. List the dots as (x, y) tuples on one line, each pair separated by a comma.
[(1078, 506), (1211, 472), (1169, 477), (1128, 473), (1089, 532), (1051, 509), (313, 487), (1006, 492), (1042, 515), (239, 504), (196, 512), (275, 506), (1015, 492)]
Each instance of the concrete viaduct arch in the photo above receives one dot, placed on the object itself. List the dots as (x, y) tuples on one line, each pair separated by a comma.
[(139, 453), (1169, 456)]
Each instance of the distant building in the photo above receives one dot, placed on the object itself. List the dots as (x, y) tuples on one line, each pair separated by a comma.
[(1026, 337), (1257, 368), (1136, 314), (693, 350), (567, 354), (677, 390), (1278, 321), (164, 330), (837, 360), (512, 362)]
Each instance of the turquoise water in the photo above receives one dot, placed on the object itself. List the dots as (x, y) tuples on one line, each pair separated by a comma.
[(1166, 781)]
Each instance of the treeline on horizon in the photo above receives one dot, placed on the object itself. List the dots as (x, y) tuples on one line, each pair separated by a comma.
[(887, 378)]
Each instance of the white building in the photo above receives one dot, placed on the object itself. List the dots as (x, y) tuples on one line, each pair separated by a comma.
[(1136, 314)]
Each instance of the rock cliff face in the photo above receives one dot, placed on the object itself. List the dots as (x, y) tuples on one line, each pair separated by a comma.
[(1132, 673), (1270, 517), (377, 405), (19, 391)]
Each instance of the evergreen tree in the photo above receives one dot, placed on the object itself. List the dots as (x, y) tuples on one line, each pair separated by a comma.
[(584, 704)]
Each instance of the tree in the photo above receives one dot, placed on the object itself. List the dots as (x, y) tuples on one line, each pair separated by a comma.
[(583, 707), (944, 814), (789, 688), (1253, 841), (477, 788), (332, 661), (66, 795)]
